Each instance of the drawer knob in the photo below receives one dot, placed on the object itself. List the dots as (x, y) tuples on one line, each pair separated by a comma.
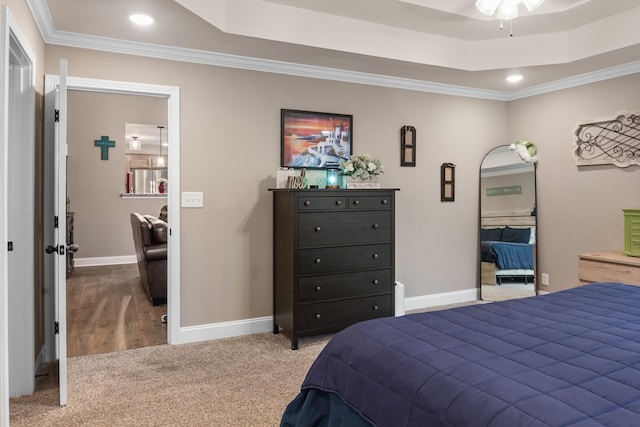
[(375, 281), (317, 316), (307, 202), (356, 202), (317, 228), (338, 202), (375, 226), (317, 261), (375, 307), (317, 288), (385, 201), (375, 256)]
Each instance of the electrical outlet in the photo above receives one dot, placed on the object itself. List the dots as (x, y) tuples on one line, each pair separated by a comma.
[(192, 199), (545, 279)]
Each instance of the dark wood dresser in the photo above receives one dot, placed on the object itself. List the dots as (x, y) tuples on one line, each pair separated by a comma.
[(333, 259)]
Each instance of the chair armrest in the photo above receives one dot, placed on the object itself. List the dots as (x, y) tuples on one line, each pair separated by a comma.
[(155, 252)]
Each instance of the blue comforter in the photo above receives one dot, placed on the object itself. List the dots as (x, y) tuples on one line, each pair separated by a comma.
[(507, 255), (571, 358)]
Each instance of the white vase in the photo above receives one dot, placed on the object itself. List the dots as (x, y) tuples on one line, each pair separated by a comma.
[(371, 182)]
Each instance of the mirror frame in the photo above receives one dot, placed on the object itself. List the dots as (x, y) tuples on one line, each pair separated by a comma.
[(525, 222)]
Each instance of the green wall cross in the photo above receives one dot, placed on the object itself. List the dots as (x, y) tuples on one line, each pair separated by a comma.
[(104, 145)]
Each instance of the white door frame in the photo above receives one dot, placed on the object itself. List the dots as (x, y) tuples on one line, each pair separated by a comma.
[(172, 94), (25, 118)]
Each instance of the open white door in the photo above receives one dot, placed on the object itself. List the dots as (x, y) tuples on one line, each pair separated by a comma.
[(60, 208)]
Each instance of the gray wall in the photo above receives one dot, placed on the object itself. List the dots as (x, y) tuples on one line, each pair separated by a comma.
[(102, 225), (580, 209), (230, 150)]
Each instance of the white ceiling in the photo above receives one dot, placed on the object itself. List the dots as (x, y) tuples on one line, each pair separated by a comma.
[(412, 43)]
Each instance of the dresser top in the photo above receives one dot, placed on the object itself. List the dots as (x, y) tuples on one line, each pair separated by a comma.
[(331, 190), (611, 257)]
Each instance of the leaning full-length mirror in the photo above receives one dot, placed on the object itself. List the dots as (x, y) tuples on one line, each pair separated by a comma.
[(507, 225)]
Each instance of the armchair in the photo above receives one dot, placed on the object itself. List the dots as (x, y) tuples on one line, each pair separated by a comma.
[(150, 240)]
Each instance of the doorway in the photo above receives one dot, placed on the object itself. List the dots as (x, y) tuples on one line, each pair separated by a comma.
[(171, 94), (107, 306), (20, 338)]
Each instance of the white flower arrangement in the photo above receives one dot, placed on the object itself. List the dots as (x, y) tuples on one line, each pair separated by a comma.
[(362, 166), (526, 150)]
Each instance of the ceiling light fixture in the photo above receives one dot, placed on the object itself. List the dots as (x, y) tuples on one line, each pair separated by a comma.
[(514, 78), (507, 9), (134, 144), (141, 19)]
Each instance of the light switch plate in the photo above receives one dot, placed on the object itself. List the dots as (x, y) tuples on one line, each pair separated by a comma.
[(192, 199)]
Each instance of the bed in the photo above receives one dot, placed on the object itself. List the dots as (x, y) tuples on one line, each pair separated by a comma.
[(507, 252), (570, 358)]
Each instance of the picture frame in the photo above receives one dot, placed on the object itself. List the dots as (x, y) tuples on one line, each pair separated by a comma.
[(315, 140), (447, 182), (407, 146)]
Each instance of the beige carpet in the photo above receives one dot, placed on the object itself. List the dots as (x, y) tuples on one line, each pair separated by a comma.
[(244, 381), (241, 381)]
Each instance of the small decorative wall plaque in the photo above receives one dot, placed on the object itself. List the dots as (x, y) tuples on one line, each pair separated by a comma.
[(447, 182), (504, 191), (407, 146), (104, 145)]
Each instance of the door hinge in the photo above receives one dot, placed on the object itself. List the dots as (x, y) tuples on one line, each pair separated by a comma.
[(56, 117), (55, 222), (56, 327), (10, 246)]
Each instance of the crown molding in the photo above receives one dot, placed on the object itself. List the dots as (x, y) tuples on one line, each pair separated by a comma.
[(85, 41), (42, 16), (579, 80), (50, 35)]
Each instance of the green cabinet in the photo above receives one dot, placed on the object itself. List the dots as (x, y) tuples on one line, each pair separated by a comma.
[(632, 232)]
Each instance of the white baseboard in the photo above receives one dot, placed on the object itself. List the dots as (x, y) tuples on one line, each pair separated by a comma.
[(215, 331), (443, 298), (258, 325), (109, 260)]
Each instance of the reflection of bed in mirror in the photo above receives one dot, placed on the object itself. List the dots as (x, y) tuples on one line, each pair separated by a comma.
[(507, 220), (507, 254)]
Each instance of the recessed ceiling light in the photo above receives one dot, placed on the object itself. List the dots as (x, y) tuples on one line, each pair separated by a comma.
[(514, 78), (140, 19)]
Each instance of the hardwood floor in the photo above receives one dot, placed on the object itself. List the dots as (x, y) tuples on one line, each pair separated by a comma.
[(107, 310)]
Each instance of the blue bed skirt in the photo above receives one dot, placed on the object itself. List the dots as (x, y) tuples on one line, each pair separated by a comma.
[(313, 407)]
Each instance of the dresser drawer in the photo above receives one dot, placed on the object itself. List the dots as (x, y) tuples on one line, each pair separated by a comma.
[(326, 315), (308, 203), (608, 267), (370, 202), (334, 286), (632, 232), (337, 228), (348, 258)]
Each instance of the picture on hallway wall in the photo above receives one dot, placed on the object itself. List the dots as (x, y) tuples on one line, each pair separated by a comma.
[(315, 140)]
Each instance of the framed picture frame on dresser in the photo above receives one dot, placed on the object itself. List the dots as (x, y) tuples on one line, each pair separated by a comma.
[(314, 140)]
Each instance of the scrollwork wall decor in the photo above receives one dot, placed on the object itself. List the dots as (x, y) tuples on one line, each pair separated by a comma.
[(615, 141)]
